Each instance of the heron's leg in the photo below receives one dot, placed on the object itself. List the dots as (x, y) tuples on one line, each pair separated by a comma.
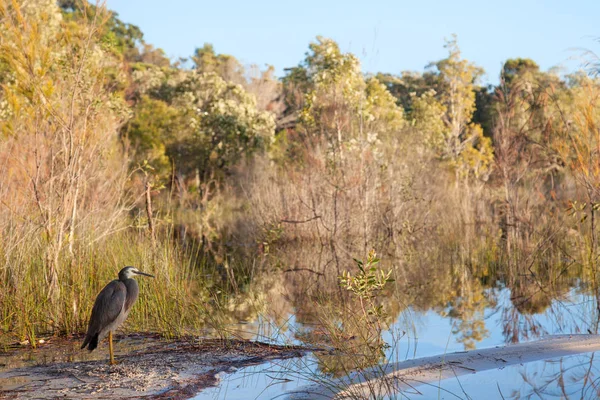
[(110, 349)]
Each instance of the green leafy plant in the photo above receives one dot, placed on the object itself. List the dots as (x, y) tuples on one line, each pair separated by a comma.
[(365, 284)]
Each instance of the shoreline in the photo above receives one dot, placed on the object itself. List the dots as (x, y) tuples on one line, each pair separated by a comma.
[(156, 369)]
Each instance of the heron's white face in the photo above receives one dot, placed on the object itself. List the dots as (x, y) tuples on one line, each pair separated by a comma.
[(130, 272)]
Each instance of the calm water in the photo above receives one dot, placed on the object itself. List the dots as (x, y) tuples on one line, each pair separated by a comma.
[(416, 334), (573, 377)]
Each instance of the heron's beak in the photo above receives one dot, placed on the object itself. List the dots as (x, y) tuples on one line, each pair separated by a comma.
[(143, 273)]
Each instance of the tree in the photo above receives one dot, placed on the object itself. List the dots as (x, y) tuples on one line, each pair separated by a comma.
[(445, 117), (295, 84), (518, 68), (427, 115), (458, 97), (340, 104), (526, 118), (60, 115), (335, 94), (148, 131), (201, 123), (122, 39), (227, 67), (343, 154), (409, 85)]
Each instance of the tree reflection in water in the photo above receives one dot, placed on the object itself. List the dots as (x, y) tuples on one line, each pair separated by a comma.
[(574, 377), (472, 285)]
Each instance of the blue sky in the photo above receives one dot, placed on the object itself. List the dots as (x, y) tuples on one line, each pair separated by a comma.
[(388, 36)]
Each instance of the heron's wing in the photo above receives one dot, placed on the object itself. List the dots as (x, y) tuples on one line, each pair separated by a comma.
[(108, 306)]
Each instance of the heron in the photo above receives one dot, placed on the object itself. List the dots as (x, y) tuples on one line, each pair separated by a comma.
[(111, 308)]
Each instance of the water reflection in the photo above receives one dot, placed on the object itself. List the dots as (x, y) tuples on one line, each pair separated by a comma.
[(570, 377), (464, 311), (434, 306), (265, 381), (490, 317)]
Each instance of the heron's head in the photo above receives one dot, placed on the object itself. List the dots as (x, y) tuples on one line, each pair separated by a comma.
[(130, 272)]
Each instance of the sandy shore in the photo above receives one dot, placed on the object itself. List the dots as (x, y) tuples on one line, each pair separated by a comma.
[(173, 370)]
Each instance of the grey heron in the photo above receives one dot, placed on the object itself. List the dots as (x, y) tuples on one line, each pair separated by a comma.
[(111, 308)]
